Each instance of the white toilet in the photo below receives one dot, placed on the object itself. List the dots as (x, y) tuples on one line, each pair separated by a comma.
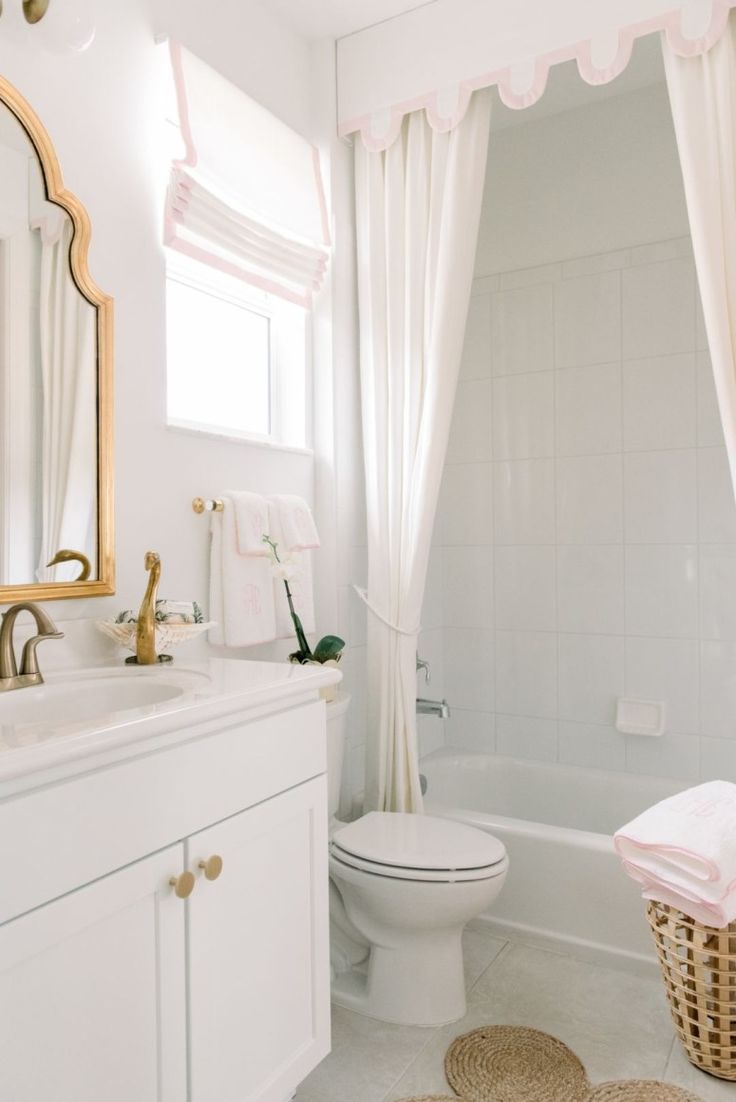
[(402, 889)]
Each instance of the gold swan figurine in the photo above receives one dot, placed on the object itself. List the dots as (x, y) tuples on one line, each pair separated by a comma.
[(66, 555)]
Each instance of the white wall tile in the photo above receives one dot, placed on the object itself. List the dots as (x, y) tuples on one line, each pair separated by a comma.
[(660, 409), (591, 677), (660, 497), (476, 358), (526, 673), (430, 734), (523, 419), (662, 591), (524, 501), (718, 759), (591, 745), (590, 589), (526, 737), (467, 587), (662, 250), (588, 410), (465, 504), (659, 309), (588, 319), (718, 688), (433, 613), (666, 670), (675, 756), (710, 427), (590, 499), (467, 730), (716, 507), (525, 588), (470, 433), (522, 326), (718, 591), (469, 668)]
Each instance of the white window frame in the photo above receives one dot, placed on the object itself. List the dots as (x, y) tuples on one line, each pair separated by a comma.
[(209, 280)]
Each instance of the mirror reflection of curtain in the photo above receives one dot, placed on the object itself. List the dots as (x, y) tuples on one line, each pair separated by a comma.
[(702, 92), (69, 402)]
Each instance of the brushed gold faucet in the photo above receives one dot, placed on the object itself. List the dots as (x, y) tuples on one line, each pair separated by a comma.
[(145, 632), (29, 674)]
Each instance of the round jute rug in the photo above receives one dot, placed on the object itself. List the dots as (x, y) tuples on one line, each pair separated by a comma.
[(640, 1090), (513, 1064), (502, 1063)]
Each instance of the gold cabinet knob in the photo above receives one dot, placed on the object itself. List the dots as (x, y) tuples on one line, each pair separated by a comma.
[(183, 884), (212, 867)]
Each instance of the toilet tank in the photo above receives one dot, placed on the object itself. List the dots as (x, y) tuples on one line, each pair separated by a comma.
[(336, 736)]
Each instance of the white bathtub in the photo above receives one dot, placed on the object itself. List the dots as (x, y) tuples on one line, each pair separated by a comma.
[(565, 887)]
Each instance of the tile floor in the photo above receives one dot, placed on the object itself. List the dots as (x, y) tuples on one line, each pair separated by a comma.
[(617, 1023)]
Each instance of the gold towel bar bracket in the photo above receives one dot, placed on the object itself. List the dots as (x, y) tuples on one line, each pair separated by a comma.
[(207, 505)]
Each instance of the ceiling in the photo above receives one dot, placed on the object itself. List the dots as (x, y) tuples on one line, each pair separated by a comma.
[(314, 19)]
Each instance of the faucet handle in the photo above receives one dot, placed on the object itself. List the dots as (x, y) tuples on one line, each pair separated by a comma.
[(28, 658), (422, 664)]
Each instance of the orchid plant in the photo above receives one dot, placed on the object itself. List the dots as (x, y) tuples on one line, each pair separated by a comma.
[(329, 648)]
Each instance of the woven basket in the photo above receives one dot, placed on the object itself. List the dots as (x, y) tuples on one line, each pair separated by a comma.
[(699, 969)]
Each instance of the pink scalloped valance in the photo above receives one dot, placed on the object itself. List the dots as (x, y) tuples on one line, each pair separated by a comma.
[(691, 28)]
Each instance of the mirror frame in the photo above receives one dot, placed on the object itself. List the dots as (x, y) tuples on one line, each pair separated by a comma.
[(104, 584)]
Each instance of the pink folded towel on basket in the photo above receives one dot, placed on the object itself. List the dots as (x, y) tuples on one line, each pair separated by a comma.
[(683, 852)]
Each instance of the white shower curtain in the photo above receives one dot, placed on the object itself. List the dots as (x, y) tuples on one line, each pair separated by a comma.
[(69, 411), (702, 93), (418, 210)]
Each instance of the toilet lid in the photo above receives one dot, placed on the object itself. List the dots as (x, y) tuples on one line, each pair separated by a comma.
[(423, 842), (340, 858)]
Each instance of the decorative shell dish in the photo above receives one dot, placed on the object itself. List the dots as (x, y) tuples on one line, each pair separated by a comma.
[(167, 635)]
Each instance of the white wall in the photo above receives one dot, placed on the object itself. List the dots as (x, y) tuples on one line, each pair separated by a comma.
[(587, 531), (102, 109), (588, 180)]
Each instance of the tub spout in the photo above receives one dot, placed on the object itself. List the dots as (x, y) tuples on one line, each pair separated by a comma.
[(438, 708)]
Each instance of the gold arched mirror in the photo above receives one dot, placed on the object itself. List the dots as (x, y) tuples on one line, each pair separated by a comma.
[(56, 475)]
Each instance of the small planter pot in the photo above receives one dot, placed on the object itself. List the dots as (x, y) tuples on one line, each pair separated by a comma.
[(328, 692)]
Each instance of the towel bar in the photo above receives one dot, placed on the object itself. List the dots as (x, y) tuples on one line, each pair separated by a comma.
[(207, 505)]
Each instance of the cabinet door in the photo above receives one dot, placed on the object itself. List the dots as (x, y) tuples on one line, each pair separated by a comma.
[(92, 992), (258, 950)]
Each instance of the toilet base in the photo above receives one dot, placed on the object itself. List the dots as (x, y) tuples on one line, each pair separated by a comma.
[(421, 984)]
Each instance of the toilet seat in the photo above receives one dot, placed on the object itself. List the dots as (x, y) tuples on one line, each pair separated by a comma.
[(418, 847)]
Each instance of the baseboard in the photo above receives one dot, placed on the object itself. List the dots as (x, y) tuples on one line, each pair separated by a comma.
[(592, 952)]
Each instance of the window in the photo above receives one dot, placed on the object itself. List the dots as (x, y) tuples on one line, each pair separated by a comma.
[(236, 357)]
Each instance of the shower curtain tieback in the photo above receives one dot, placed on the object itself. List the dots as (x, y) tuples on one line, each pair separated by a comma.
[(394, 627)]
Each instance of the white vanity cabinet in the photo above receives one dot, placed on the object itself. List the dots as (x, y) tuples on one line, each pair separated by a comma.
[(112, 986), (92, 992)]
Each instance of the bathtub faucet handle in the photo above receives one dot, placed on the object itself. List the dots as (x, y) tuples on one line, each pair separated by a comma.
[(423, 665)]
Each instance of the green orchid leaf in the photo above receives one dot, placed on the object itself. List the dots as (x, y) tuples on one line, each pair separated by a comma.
[(328, 648)]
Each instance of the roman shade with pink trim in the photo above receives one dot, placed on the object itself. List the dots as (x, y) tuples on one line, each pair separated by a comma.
[(247, 195)]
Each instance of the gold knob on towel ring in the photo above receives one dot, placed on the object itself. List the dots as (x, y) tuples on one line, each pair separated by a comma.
[(183, 884), (212, 867)]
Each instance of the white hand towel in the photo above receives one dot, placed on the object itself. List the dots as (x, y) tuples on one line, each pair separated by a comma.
[(298, 530), (686, 841), (241, 588), (251, 522), (298, 566)]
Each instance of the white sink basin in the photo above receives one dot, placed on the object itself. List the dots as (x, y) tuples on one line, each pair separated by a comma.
[(87, 696)]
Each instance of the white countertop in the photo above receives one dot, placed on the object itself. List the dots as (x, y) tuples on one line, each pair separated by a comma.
[(40, 752)]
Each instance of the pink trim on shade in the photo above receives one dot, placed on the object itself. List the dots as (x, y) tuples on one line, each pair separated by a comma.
[(173, 241), (177, 67), (381, 129)]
